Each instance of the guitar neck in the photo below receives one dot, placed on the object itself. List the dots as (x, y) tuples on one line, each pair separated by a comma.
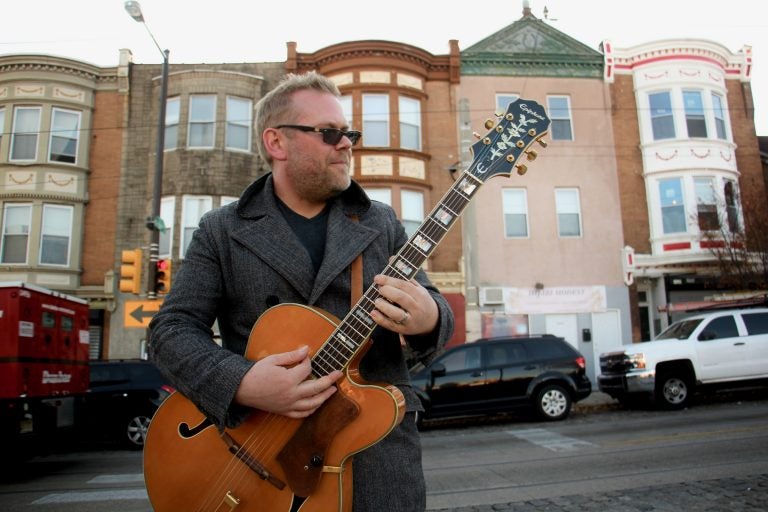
[(350, 335)]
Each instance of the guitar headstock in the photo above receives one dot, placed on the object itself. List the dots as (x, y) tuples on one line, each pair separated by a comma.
[(502, 148)]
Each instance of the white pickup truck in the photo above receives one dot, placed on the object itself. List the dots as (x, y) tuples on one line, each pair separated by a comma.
[(717, 348)]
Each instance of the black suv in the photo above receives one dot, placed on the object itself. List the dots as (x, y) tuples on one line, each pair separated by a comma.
[(121, 399), (495, 375)]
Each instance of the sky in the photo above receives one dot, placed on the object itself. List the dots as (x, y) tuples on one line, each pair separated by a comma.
[(220, 31)]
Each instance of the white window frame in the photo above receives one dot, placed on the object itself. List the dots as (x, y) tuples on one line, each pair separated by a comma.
[(666, 118), (515, 203), (720, 115), (410, 121), (707, 209), (695, 115), (382, 195), (668, 207), (30, 133), (168, 215), (192, 210), (376, 120), (24, 231), (172, 120), (560, 117), (237, 123), (568, 204), (201, 124), (71, 134), (346, 107), (53, 215)]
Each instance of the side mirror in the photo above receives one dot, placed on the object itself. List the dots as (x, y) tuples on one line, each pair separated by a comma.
[(437, 370)]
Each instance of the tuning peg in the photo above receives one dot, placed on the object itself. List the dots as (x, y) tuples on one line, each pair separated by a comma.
[(542, 142), (531, 154), (521, 169), (499, 114), (489, 123), (476, 135)]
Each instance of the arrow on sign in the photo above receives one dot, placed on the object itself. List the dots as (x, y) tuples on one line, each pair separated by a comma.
[(138, 313)]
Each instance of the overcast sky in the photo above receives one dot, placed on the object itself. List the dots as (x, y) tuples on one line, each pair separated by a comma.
[(197, 31)]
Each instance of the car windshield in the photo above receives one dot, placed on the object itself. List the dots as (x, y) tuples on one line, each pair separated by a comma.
[(680, 330)]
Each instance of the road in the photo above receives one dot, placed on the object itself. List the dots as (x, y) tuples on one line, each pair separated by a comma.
[(713, 456)]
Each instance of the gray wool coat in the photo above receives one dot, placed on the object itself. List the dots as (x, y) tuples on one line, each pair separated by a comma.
[(244, 259)]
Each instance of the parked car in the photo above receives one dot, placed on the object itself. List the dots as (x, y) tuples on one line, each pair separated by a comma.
[(709, 350), (121, 400), (543, 373)]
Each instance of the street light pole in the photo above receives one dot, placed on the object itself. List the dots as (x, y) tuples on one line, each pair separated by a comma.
[(154, 223)]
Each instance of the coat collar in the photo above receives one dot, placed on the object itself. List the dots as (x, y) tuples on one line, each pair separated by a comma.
[(265, 232)]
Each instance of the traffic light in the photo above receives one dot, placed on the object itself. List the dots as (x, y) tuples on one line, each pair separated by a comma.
[(130, 271), (163, 277)]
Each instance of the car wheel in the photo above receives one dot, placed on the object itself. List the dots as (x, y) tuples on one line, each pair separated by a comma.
[(673, 391), (136, 430), (553, 402)]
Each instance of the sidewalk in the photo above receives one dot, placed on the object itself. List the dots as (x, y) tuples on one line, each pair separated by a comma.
[(596, 401)]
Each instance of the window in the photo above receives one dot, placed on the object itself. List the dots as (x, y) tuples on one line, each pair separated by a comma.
[(346, 107), (410, 123), (560, 115), (383, 195), (167, 214), (238, 124), (662, 122), (172, 110), (16, 221), (504, 99), (376, 120), (56, 234), (568, 212), (718, 328), (2, 124), (672, 206), (730, 192), (694, 114), (225, 200), (706, 204), (202, 118), (65, 133), (757, 323), (26, 126), (515, 205), (467, 358), (719, 112), (412, 206), (193, 209)]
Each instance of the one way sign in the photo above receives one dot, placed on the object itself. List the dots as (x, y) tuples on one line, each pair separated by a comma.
[(138, 313)]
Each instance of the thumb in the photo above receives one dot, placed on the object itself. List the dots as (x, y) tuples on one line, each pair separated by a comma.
[(291, 358)]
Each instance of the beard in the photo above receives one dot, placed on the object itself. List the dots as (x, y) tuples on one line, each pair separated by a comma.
[(319, 181)]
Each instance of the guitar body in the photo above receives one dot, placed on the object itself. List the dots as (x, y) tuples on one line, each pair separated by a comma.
[(270, 463)]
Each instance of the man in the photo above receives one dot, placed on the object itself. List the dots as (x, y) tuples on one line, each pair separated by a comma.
[(291, 238)]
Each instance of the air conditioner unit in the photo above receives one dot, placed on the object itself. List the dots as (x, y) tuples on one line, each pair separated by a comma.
[(491, 296)]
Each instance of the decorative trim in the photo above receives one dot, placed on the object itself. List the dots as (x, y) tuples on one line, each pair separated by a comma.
[(666, 158), (677, 246)]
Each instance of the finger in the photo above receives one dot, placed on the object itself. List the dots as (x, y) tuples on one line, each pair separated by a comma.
[(292, 357)]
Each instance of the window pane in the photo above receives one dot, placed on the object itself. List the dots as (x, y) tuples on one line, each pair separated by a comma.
[(346, 107), (568, 212), (383, 195), (202, 114), (16, 219), (410, 124), (694, 114), (194, 208), (717, 108), (376, 120), (706, 204), (65, 132), (672, 206), (515, 206), (239, 124), (662, 122), (56, 234), (412, 210), (560, 114), (730, 193), (26, 126), (167, 207), (172, 111), (757, 323)]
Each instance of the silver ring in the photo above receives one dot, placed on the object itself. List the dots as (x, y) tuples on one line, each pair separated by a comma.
[(405, 318)]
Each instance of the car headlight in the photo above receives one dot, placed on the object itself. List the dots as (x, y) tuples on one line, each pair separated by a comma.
[(636, 361)]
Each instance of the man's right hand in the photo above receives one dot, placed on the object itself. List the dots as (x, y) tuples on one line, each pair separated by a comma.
[(280, 384)]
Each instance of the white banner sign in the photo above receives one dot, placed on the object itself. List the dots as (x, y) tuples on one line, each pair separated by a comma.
[(562, 299)]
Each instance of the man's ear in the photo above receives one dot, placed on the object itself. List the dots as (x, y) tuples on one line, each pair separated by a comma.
[(274, 143)]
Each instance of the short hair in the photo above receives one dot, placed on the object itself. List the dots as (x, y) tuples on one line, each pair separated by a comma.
[(275, 107)]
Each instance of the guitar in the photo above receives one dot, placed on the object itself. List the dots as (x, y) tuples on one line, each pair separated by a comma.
[(271, 463)]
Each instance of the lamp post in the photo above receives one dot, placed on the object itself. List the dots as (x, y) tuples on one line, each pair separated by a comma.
[(154, 222)]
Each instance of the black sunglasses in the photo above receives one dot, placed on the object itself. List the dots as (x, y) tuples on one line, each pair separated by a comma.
[(331, 136)]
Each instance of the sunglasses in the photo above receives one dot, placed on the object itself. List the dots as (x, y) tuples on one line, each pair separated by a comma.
[(331, 136)]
